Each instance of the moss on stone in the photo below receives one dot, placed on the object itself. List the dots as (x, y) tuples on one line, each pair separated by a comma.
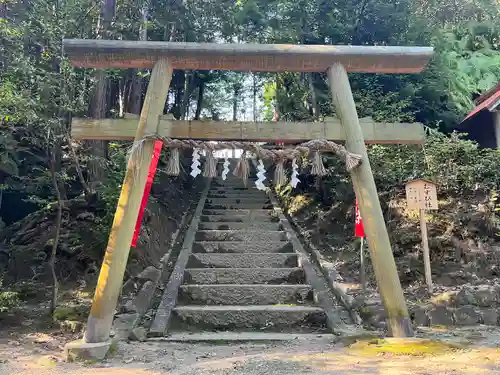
[(403, 347), (66, 313)]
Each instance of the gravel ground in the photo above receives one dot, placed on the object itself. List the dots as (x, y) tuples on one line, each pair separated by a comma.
[(42, 355)]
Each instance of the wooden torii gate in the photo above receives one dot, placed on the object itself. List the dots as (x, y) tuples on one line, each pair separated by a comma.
[(163, 58)]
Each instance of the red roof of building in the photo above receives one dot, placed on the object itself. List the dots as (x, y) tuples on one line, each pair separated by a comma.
[(489, 100)]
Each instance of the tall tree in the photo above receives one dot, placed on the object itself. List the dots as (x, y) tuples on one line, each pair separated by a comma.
[(99, 104), (137, 80)]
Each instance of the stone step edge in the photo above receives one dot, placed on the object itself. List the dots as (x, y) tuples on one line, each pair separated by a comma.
[(281, 255), (291, 269), (246, 244), (235, 336), (230, 212), (240, 230), (285, 286), (218, 308)]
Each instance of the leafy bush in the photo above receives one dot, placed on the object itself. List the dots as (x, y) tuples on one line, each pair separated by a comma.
[(456, 164), (8, 299)]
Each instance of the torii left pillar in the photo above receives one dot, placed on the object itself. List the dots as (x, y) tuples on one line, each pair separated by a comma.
[(96, 341)]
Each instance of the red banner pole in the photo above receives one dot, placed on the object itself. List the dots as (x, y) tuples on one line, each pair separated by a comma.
[(359, 231), (147, 189)]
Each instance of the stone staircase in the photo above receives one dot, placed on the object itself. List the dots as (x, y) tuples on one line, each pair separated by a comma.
[(239, 272)]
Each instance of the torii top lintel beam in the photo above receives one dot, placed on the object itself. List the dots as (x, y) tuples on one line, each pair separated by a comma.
[(89, 53)]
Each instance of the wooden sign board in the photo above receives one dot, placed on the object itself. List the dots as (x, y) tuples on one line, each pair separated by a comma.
[(421, 195)]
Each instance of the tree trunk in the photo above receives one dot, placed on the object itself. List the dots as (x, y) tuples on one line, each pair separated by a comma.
[(314, 98), (254, 77), (236, 95), (189, 87), (98, 107), (55, 244), (199, 103), (137, 81)]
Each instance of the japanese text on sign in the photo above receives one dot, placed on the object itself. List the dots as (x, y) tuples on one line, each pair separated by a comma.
[(421, 195)]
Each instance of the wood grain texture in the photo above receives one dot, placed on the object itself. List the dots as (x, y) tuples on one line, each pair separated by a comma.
[(369, 206), (245, 57), (425, 251), (115, 260), (373, 132), (496, 124)]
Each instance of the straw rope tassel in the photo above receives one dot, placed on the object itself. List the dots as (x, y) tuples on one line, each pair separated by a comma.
[(352, 161), (279, 173), (242, 168), (210, 168), (278, 156), (318, 169), (173, 168)]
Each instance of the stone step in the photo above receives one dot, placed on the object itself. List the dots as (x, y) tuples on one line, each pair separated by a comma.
[(237, 201), (236, 206), (240, 247), (244, 276), (233, 179), (235, 188), (263, 260), (251, 190), (237, 218), (240, 198), (238, 337), (227, 195), (250, 225), (270, 318), (255, 294), (235, 183), (240, 235), (239, 185), (249, 213)]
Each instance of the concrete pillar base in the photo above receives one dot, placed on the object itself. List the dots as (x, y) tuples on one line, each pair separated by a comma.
[(86, 351)]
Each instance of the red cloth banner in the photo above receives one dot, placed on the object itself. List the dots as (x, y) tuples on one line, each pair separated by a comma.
[(147, 189), (359, 229)]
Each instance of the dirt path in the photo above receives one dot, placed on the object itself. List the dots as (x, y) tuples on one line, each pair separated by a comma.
[(41, 355)]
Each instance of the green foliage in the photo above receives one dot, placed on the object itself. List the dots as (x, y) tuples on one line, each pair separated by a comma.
[(8, 299), (110, 192), (470, 59), (40, 92), (457, 165)]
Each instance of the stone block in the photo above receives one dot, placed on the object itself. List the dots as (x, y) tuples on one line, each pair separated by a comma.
[(86, 351), (150, 273), (490, 317), (123, 324), (485, 297), (143, 299), (441, 316), (420, 317), (467, 316), (465, 297), (138, 334)]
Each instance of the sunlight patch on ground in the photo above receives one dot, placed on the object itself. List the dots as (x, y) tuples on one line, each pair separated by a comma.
[(403, 347)]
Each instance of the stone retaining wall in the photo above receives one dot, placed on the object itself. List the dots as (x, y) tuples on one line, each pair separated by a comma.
[(469, 305)]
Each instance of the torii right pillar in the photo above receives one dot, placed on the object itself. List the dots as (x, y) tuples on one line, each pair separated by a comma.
[(369, 205)]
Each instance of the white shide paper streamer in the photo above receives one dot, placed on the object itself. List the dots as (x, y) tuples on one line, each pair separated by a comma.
[(261, 176), (295, 180), (225, 171), (195, 166)]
